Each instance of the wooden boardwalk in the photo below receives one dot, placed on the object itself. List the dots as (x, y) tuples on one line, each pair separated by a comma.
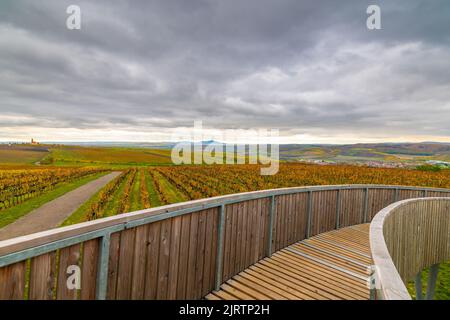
[(330, 266)]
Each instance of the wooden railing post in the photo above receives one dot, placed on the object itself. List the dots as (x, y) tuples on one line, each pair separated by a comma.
[(308, 230), (418, 285), (271, 218), (431, 284), (372, 283), (220, 238)]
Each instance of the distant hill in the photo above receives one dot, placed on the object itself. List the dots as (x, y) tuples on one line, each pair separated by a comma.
[(22, 153), (368, 151), (159, 153)]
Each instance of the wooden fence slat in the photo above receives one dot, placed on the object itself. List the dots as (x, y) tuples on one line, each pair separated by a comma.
[(284, 221), (199, 261), (42, 277), (214, 247), (233, 241), (249, 215), (193, 236), (126, 253), (164, 259), (67, 257), (151, 277), (262, 241), (257, 231), (227, 242), (12, 281), (251, 239), (239, 226), (139, 263), (89, 269), (242, 211), (206, 281), (174, 258), (113, 265), (184, 257), (278, 223)]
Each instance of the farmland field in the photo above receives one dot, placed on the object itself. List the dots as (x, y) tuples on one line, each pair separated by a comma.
[(21, 155), (74, 155), (59, 155)]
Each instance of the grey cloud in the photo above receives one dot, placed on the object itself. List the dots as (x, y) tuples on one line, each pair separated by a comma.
[(300, 66)]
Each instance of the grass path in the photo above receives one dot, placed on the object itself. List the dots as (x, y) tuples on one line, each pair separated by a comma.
[(171, 193), (135, 194), (153, 194)]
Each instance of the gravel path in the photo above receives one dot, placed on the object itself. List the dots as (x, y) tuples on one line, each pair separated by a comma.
[(55, 212)]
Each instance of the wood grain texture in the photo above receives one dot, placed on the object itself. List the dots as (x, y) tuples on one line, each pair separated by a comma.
[(113, 265), (151, 277), (288, 275), (67, 257), (43, 276), (125, 264), (139, 263), (406, 237), (89, 269), (12, 281)]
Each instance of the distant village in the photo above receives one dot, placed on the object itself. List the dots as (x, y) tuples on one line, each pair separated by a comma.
[(32, 142), (439, 163), (380, 164)]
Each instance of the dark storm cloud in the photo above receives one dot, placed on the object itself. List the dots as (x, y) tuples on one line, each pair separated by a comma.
[(301, 66)]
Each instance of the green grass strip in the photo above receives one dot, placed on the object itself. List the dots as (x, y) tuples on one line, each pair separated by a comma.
[(442, 291), (135, 194), (153, 194), (113, 205), (172, 193)]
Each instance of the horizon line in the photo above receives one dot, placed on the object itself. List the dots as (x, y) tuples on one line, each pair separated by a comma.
[(209, 141)]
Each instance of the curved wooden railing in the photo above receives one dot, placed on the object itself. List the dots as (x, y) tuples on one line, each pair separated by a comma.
[(184, 250), (406, 237)]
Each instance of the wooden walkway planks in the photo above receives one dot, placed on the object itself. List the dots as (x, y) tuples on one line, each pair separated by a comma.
[(330, 266)]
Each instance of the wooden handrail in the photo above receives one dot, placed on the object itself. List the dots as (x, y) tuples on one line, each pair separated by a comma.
[(406, 237), (40, 238)]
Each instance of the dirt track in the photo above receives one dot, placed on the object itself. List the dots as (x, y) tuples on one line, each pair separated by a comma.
[(53, 213)]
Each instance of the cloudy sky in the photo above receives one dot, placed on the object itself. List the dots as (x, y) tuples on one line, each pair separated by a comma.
[(138, 69)]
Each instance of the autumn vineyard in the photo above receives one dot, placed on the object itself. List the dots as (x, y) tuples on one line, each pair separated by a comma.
[(140, 187), (144, 187), (17, 185)]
